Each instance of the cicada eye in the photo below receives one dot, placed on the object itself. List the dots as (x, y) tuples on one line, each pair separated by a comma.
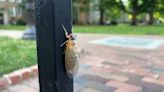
[(73, 37)]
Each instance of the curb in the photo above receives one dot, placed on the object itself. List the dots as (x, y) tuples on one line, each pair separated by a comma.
[(18, 76)]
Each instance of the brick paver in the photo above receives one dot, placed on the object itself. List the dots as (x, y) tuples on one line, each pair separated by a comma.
[(113, 69), (124, 86), (154, 81)]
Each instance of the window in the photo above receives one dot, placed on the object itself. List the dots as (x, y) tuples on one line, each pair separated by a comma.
[(12, 11), (19, 11)]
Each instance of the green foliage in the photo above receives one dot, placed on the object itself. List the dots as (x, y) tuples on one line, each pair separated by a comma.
[(20, 22), (149, 5), (16, 54), (160, 8), (113, 13), (153, 6), (110, 9), (113, 8), (132, 7), (136, 7), (161, 5)]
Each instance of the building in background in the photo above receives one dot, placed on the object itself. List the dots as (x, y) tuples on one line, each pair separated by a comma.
[(87, 12), (10, 11), (94, 13)]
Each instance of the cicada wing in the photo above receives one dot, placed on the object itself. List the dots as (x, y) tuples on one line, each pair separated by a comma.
[(75, 61), (71, 61)]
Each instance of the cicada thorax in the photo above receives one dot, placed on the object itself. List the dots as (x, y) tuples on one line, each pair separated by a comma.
[(71, 58)]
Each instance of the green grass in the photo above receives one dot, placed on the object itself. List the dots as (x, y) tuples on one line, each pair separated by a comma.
[(12, 27), (121, 29), (16, 54)]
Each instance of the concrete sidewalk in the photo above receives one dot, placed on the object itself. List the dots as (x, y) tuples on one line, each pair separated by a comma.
[(13, 34), (112, 69)]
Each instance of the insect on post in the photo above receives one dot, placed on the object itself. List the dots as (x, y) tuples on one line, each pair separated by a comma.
[(50, 16)]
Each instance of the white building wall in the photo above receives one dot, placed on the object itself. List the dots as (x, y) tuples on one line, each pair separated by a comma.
[(13, 11), (6, 18)]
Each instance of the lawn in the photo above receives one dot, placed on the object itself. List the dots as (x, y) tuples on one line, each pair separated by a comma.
[(12, 27), (16, 54), (120, 29)]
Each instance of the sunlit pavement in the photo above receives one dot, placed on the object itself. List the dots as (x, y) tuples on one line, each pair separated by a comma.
[(14, 33), (112, 69)]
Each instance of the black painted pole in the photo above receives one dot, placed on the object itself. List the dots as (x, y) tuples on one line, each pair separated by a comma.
[(50, 16)]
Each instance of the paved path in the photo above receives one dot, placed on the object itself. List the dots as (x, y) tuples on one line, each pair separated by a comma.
[(112, 69), (14, 33)]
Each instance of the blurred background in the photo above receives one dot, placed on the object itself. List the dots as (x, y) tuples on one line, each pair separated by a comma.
[(120, 39), (92, 12)]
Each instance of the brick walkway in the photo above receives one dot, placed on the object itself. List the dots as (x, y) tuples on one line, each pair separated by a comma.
[(112, 69)]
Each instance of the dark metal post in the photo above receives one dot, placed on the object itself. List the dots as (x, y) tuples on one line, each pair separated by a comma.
[(50, 15)]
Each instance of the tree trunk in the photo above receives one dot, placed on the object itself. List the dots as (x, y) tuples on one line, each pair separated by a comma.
[(101, 21), (135, 11), (134, 19), (151, 18), (75, 13)]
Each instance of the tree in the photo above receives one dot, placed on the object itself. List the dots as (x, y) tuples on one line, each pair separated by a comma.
[(105, 6), (132, 7), (149, 6), (151, 10), (80, 11), (160, 8), (102, 11), (113, 14)]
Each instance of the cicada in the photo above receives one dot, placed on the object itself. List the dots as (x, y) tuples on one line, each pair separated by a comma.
[(71, 55)]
